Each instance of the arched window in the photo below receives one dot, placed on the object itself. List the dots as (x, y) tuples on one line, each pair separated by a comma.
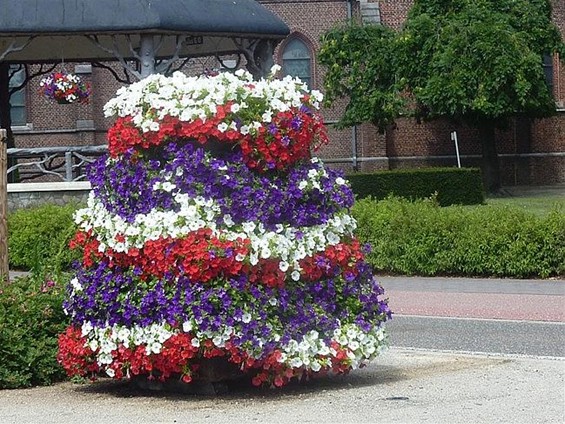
[(17, 99), (297, 60)]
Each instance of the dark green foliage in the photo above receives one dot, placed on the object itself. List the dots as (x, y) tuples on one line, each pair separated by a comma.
[(421, 238), (31, 318), (478, 60), (39, 237), (472, 61), (359, 61), (453, 185)]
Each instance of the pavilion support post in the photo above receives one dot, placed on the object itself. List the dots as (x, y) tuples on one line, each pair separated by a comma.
[(4, 268), (147, 55)]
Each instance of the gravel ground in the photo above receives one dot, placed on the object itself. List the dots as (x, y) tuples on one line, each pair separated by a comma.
[(403, 386)]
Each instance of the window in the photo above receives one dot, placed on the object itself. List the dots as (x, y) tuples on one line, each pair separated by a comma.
[(17, 99), (548, 71), (297, 60)]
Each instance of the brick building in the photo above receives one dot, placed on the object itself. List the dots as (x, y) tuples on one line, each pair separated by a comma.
[(530, 153)]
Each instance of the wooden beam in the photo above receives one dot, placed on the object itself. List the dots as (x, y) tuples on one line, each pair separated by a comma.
[(4, 267)]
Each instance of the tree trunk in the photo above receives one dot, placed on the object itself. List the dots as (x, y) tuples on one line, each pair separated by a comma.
[(490, 165), (5, 115)]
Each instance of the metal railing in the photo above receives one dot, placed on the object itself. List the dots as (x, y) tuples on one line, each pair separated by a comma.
[(64, 163)]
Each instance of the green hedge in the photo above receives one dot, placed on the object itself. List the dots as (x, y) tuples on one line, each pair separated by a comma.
[(31, 318), (453, 186), (39, 236), (420, 238), (408, 238)]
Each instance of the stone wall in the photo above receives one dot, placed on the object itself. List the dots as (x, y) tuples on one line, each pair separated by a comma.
[(34, 194)]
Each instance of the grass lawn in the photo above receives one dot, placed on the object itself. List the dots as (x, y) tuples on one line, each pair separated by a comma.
[(539, 205)]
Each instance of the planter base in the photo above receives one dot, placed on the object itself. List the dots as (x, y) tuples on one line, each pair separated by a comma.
[(212, 379), (175, 385)]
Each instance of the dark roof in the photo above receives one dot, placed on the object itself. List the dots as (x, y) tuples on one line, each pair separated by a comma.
[(56, 29), (213, 17)]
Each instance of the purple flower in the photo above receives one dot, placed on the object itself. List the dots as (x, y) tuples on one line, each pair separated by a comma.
[(305, 109), (126, 187), (296, 123)]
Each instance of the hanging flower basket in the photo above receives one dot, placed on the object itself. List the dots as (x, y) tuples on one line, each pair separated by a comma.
[(65, 88)]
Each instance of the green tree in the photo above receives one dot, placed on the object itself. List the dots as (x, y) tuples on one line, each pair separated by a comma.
[(359, 61), (479, 62), (473, 61)]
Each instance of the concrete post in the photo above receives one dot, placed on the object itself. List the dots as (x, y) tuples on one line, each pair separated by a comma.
[(147, 55)]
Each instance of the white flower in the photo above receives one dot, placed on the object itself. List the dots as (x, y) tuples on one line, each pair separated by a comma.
[(168, 187), (295, 362), (93, 345), (104, 359), (123, 334), (266, 253), (246, 318), (340, 181), (86, 328), (228, 220), (77, 287), (187, 326), (324, 350)]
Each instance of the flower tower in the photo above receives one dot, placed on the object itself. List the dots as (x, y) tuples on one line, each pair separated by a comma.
[(212, 236)]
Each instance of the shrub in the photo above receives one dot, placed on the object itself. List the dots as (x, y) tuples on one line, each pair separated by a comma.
[(452, 185), (39, 236), (422, 238), (31, 317)]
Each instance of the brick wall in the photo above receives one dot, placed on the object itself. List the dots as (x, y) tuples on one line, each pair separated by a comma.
[(394, 12), (309, 19)]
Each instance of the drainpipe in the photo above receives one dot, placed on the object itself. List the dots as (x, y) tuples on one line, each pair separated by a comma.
[(354, 160)]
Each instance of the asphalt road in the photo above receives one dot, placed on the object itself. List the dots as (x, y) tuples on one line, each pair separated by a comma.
[(479, 335), (495, 316)]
